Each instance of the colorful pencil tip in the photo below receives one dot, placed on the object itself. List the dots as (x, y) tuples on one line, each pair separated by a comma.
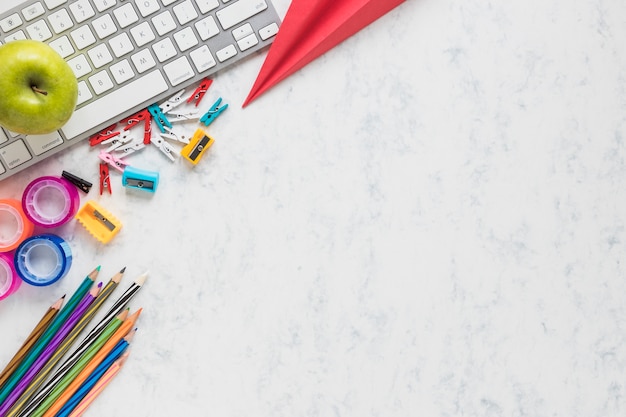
[(122, 270)]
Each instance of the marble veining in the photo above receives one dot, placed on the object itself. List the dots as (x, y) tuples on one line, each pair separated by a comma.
[(429, 220)]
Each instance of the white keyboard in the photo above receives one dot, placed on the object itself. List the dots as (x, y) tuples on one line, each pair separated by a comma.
[(129, 54)]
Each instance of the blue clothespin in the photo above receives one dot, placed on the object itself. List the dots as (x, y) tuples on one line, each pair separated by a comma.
[(213, 112), (159, 117)]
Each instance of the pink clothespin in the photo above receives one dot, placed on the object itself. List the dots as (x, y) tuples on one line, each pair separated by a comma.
[(115, 162)]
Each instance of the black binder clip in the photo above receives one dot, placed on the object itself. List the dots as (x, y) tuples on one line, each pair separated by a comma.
[(80, 183)]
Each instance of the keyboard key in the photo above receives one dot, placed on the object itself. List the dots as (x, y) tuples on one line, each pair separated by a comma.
[(3, 137), (248, 42), (42, 143), (100, 55), (185, 12), (142, 34), (125, 15), (84, 94), (226, 53), (207, 28), (185, 39), (2, 170), (164, 23), (109, 106), (143, 60), (242, 31), (100, 82), (103, 5), (79, 65), (33, 11), (164, 50), (122, 71), (82, 10), (268, 31), (60, 21), (206, 6), (51, 4), (39, 31), (15, 154), (15, 36), (147, 7), (63, 46), (178, 70), (11, 22), (104, 26), (121, 44), (82, 37), (239, 11), (202, 58)]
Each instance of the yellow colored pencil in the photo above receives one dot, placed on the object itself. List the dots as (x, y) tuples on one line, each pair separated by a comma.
[(106, 378), (121, 332), (65, 346), (31, 339)]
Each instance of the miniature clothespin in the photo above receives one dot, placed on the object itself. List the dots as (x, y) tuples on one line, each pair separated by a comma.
[(172, 102), (165, 147), (80, 183), (130, 148), (198, 144), (159, 117), (114, 161), (213, 112), (175, 116), (105, 181), (103, 135), (142, 116), (116, 141), (197, 95), (170, 134), (140, 179)]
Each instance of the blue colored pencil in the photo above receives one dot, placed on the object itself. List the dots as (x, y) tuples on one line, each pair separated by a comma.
[(93, 378)]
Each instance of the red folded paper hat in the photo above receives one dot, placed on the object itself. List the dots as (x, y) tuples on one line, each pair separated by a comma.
[(311, 28)]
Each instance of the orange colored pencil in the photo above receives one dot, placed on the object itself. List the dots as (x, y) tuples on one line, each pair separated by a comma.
[(31, 340), (99, 386), (93, 364)]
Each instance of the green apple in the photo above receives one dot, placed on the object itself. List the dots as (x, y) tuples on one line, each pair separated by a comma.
[(38, 89)]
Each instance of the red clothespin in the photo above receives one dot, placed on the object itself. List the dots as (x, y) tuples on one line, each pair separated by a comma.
[(197, 95), (105, 181), (103, 135), (142, 116)]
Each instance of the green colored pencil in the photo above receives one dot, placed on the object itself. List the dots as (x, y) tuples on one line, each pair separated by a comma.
[(43, 341), (78, 367), (65, 346)]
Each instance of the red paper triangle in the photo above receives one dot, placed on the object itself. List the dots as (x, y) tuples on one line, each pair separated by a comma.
[(310, 29)]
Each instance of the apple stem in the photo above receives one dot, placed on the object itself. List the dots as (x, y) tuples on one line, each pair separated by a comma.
[(38, 90)]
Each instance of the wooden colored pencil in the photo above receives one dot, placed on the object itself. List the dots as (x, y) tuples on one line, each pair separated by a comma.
[(99, 386), (104, 338), (31, 339), (56, 341), (73, 358), (65, 346), (61, 394), (71, 400), (52, 329)]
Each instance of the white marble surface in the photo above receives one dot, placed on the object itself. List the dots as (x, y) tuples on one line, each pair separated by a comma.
[(429, 220)]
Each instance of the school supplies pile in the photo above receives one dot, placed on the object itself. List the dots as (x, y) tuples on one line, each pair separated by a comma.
[(37, 383), (134, 133)]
